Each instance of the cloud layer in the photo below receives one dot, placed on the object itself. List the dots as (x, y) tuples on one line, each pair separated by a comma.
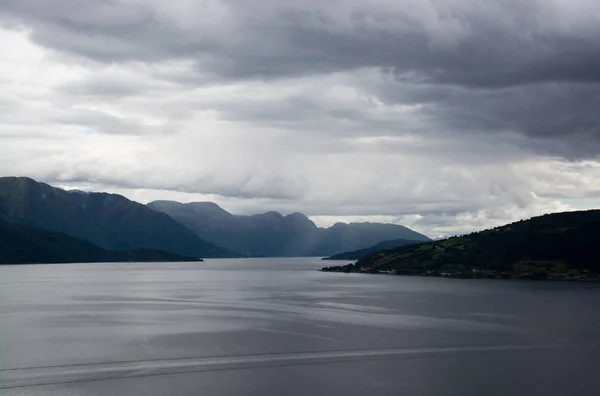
[(447, 116)]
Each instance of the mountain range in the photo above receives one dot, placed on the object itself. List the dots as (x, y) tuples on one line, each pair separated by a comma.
[(272, 234), (203, 229), (553, 246), (110, 221)]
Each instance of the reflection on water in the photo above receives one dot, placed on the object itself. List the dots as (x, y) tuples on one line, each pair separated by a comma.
[(53, 315)]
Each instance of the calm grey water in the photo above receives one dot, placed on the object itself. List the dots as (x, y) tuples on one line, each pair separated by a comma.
[(279, 327)]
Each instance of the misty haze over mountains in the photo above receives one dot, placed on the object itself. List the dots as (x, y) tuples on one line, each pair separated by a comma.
[(113, 222), (272, 234)]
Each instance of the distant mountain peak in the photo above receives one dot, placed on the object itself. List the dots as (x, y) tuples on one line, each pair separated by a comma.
[(78, 192), (339, 224), (166, 202), (206, 205), (298, 215), (273, 214), (273, 234), (301, 218), (210, 209), (24, 179), (21, 182)]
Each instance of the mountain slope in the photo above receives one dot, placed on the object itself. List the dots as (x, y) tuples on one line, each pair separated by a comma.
[(266, 234), (342, 237), (554, 246), (272, 234), (110, 221), (381, 246), (20, 244)]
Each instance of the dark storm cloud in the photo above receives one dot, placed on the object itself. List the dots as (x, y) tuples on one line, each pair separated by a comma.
[(526, 67), (471, 43), (557, 118)]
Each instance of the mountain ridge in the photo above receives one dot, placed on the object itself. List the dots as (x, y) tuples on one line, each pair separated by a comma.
[(110, 221), (274, 234)]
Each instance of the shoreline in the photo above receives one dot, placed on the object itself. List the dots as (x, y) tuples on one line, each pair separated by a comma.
[(592, 277)]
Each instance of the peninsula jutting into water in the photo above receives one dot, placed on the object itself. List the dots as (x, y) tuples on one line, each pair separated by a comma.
[(559, 246)]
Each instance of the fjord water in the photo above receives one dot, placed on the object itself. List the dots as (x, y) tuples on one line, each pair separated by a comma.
[(278, 326)]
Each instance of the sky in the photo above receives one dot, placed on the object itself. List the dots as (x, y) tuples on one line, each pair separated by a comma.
[(446, 116)]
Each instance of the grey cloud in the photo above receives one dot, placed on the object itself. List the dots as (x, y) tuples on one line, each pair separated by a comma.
[(93, 121), (526, 67), (469, 43), (104, 87), (558, 119), (137, 79), (249, 187)]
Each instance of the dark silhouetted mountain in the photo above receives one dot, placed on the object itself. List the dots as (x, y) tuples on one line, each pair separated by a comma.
[(271, 234), (20, 244), (381, 246), (553, 246), (108, 220)]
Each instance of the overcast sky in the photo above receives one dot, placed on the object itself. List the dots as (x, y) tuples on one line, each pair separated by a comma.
[(443, 115)]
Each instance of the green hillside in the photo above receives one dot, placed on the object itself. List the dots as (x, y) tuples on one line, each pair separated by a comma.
[(381, 246), (553, 246)]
